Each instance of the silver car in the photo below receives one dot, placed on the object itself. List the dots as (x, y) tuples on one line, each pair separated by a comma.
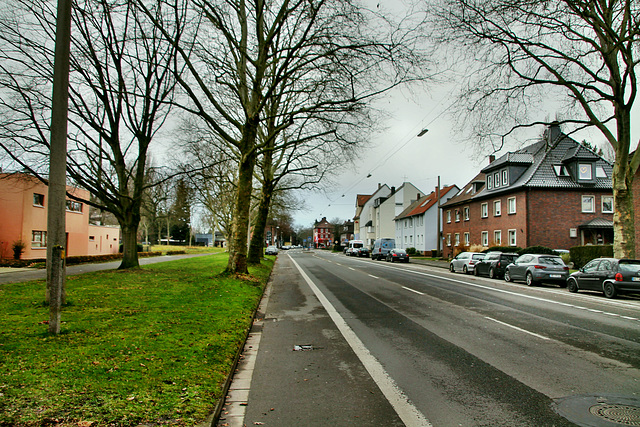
[(465, 262), (537, 269)]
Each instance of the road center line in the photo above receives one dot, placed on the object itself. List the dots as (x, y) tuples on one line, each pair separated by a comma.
[(412, 290), (518, 329), (408, 413), (375, 277)]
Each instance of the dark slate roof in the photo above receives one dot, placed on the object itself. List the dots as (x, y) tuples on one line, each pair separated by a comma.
[(541, 157), (597, 223)]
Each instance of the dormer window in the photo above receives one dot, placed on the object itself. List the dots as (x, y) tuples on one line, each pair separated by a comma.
[(600, 172), (505, 178), (489, 182), (496, 179), (560, 170), (585, 172)]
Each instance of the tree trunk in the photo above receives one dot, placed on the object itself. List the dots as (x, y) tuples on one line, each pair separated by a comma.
[(257, 239), (129, 246), (239, 233), (623, 174)]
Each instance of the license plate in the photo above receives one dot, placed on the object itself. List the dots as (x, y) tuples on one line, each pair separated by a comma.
[(635, 279), (555, 276)]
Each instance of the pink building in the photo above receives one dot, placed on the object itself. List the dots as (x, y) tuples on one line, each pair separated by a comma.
[(23, 216)]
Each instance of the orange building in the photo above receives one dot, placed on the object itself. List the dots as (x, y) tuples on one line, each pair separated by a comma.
[(23, 217)]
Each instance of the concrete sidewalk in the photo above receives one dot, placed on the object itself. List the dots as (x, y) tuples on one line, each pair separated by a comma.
[(297, 369)]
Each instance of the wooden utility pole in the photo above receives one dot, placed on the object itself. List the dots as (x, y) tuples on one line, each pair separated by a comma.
[(56, 206)]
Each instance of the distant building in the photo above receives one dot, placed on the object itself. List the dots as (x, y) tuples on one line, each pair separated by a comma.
[(322, 234), (346, 233), (555, 193), (23, 217)]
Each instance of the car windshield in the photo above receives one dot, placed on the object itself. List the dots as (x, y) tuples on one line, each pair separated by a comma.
[(400, 251), (629, 266), (551, 260), (358, 245)]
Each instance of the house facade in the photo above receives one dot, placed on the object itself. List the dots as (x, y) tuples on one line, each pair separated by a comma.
[(416, 226), (387, 209), (346, 233), (361, 200), (368, 220), (555, 193), (322, 234), (23, 217)]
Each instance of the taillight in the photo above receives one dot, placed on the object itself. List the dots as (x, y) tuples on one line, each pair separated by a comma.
[(498, 264), (540, 267), (618, 277), (565, 268)]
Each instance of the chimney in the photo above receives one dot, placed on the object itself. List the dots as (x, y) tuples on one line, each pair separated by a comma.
[(379, 185), (553, 132), (418, 196), (393, 190), (491, 158)]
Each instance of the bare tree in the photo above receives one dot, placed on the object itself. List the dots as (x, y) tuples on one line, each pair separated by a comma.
[(326, 57), (121, 87), (583, 52)]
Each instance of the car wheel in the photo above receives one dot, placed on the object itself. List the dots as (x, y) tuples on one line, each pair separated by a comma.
[(572, 285), (492, 273), (529, 279), (609, 290), (475, 272), (452, 268), (464, 269), (507, 276)]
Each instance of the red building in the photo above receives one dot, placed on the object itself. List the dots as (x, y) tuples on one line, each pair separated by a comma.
[(555, 193), (322, 234)]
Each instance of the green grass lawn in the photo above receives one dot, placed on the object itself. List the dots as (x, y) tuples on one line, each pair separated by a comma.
[(150, 346), (187, 249)]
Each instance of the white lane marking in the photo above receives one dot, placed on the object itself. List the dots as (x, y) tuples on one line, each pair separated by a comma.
[(351, 268), (375, 277), (408, 413), (518, 329), (412, 290)]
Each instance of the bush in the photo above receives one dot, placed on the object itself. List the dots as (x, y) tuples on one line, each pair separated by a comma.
[(580, 255), (18, 249), (509, 249), (176, 252), (411, 251), (542, 250)]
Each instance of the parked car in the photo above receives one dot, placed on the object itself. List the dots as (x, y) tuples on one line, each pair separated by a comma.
[(534, 269), (494, 264), (357, 248), (399, 255), (611, 276), (271, 250), (381, 248), (465, 262)]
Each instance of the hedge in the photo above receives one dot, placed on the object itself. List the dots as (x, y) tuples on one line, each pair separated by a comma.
[(580, 255), (72, 260), (508, 249)]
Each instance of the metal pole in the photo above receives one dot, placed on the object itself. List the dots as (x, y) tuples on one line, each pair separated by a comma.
[(56, 206), (438, 218)]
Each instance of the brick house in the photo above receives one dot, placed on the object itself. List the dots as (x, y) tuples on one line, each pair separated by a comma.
[(23, 217), (555, 193), (322, 234)]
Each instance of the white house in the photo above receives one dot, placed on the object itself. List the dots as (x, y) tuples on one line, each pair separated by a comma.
[(416, 226), (388, 209), (367, 221)]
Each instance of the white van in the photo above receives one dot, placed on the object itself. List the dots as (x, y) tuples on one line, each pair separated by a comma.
[(381, 248), (356, 248)]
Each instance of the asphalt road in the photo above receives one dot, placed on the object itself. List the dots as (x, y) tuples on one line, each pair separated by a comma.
[(468, 351)]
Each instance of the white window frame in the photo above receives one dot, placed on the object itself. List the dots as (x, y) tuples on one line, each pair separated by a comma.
[(466, 213), (38, 200), (511, 205), (512, 237), (457, 215), (496, 179), (505, 177), (489, 182), (589, 168), (602, 200), (593, 203), (497, 237), (484, 237), (457, 239), (467, 238), (448, 217), (448, 239), (484, 210), (497, 207), (38, 239)]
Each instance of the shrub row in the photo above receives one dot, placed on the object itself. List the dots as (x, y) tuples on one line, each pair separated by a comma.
[(73, 260), (580, 255), (181, 252)]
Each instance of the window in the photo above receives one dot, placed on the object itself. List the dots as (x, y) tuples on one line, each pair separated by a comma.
[(410, 222), (448, 217), (511, 205), (448, 239), (585, 171), (457, 239), (496, 208), (497, 237), (38, 239), (560, 170), (485, 238), (505, 177), (607, 204), (588, 204), (38, 199), (484, 210), (489, 182), (512, 237), (496, 179), (457, 215), (92, 238), (466, 213), (74, 206), (467, 239)]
